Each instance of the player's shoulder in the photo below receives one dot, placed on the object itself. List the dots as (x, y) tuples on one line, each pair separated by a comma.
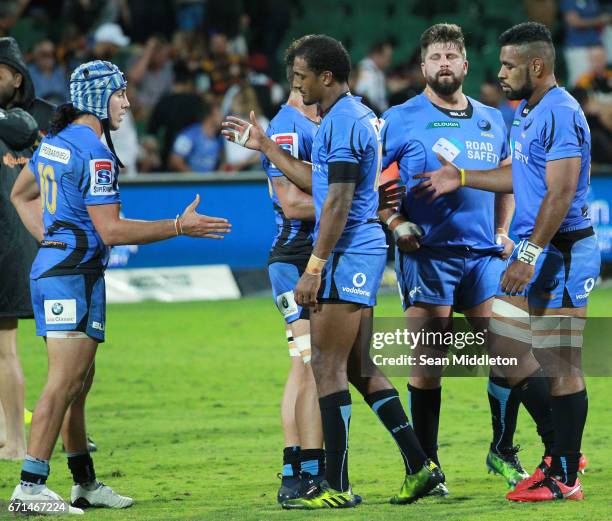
[(484, 113), (480, 107), (405, 112), (190, 131), (562, 106), (290, 119)]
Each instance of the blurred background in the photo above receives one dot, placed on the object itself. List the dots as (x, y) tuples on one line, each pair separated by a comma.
[(191, 62)]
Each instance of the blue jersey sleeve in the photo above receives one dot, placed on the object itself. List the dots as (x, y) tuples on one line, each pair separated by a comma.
[(288, 139), (183, 145), (398, 146), (561, 133), (345, 139), (393, 137), (100, 177)]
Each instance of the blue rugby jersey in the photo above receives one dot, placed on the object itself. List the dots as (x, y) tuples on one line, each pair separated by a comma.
[(349, 132), (74, 169), (554, 128), (474, 138), (294, 132)]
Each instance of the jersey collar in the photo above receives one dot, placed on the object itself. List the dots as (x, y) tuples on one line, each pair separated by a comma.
[(322, 113), (454, 113), (528, 108)]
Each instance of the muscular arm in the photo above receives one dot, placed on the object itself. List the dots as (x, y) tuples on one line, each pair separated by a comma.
[(504, 206), (297, 171), (25, 197), (333, 217), (295, 203), (497, 180), (114, 230), (561, 182)]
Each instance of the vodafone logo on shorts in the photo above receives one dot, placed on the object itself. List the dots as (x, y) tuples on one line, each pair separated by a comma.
[(61, 311), (359, 280)]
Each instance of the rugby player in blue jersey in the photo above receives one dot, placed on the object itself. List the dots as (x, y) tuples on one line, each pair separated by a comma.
[(542, 298), (68, 198), (449, 254), (293, 128), (343, 273)]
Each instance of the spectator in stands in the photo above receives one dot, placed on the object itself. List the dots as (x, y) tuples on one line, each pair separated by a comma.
[(492, 95), (371, 81), (150, 74), (49, 78), (108, 39), (223, 68), (175, 110), (190, 15), (199, 147), (239, 158), (599, 118), (10, 11), (598, 79), (149, 159), (584, 22)]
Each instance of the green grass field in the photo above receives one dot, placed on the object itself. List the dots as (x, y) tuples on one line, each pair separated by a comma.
[(185, 410)]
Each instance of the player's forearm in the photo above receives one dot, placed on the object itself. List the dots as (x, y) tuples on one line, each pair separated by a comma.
[(497, 180), (296, 170), (129, 231), (301, 210), (553, 210), (331, 224), (504, 210), (30, 213)]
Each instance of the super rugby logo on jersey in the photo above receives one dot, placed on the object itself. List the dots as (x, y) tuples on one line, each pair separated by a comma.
[(288, 142), (101, 177)]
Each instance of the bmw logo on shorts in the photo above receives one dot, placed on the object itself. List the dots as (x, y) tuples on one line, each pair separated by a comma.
[(359, 279), (57, 308)]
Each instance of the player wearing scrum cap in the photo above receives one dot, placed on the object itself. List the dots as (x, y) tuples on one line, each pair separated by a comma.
[(68, 198)]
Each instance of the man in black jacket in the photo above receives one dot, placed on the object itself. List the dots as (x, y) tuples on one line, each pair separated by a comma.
[(22, 117)]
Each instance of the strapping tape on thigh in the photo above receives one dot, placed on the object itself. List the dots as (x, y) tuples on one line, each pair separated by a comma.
[(505, 309), (506, 328), (557, 331), (66, 334)]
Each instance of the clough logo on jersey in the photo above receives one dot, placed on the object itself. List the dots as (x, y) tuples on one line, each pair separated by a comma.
[(101, 177), (517, 148)]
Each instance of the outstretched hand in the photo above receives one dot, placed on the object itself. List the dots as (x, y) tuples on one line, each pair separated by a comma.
[(194, 224), (442, 181), (248, 134), (390, 195)]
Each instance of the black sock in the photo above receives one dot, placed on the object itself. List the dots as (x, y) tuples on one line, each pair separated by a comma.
[(312, 461), (569, 414), (504, 404), (534, 395), (291, 461), (336, 419), (425, 412), (387, 405), (82, 468)]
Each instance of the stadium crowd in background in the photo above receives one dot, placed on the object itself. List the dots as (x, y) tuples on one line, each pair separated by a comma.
[(212, 50)]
